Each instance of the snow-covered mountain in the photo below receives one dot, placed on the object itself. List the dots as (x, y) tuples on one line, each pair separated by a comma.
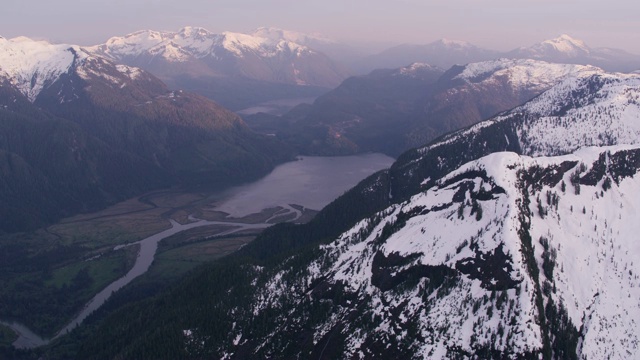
[(501, 258), (31, 65), (565, 49), (563, 46), (588, 108), (34, 67), (236, 70), (394, 110), (528, 253), (473, 92), (520, 73), (195, 51)]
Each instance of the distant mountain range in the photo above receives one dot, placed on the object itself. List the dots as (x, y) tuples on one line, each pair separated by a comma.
[(81, 132), (232, 68), (446, 53), (242, 70)]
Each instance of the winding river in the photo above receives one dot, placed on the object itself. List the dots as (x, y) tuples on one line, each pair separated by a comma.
[(312, 182)]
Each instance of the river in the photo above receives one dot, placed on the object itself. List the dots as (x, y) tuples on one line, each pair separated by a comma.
[(312, 182)]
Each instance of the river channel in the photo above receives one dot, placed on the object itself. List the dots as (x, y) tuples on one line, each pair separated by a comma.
[(311, 182)]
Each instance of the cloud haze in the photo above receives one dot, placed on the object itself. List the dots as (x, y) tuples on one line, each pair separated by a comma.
[(497, 24)]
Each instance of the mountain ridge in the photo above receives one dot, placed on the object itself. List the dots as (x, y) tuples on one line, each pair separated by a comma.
[(394, 110), (224, 54), (562, 49)]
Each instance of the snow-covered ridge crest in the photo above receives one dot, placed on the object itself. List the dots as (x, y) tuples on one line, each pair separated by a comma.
[(522, 72), (32, 65), (608, 113), (588, 107), (195, 42)]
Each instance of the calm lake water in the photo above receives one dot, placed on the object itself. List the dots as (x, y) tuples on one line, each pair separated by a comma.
[(312, 182), (276, 107)]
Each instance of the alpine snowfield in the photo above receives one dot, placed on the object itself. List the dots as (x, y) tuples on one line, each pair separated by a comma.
[(32, 65), (509, 255)]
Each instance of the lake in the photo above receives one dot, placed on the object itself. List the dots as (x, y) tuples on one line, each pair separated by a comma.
[(276, 107), (312, 182)]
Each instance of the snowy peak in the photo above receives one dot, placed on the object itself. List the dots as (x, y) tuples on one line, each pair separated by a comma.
[(569, 50), (193, 43), (31, 65), (534, 74), (597, 109), (587, 107), (240, 44), (563, 47), (567, 45), (131, 44)]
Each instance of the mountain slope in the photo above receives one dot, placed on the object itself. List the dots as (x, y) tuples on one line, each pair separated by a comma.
[(506, 282), (365, 113), (394, 110)]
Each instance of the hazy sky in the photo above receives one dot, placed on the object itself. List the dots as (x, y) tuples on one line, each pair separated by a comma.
[(496, 24)]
